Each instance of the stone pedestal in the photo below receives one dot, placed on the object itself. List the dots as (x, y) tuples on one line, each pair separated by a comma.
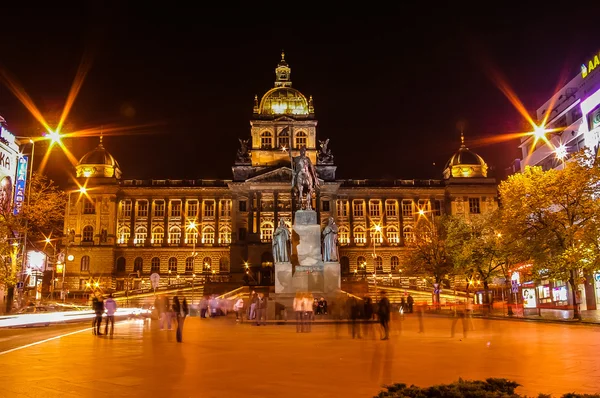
[(332, 277), (283, 278)]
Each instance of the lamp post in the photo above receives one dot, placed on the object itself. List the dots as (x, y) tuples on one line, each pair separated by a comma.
[(376, 230), (193, 279), (169, 277)]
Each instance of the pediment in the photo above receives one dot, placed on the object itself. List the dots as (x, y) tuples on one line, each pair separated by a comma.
[(284, 119), (281, 175)]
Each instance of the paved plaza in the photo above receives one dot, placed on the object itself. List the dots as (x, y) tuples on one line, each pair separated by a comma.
[(219, 358)]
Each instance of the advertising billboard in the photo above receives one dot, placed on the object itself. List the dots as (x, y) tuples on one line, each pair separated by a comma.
[(20, 183), (8, 171)]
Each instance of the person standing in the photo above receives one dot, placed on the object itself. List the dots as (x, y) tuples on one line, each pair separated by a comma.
[(98, 306), (181, 311), (410, 301), (298, 305), (165, 317), (261, 309), (308, 302), (253, 300), (111, 307), (203, 307), (238, 307), (384, 315)]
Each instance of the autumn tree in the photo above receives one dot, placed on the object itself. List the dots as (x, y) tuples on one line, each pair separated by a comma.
[(427, 256), (554, 214), (476, 249), (41, 216)]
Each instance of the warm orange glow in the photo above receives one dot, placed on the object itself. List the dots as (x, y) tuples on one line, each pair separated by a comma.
[(82, 71)]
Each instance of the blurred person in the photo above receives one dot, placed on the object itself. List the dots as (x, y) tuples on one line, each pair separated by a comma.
[(409, 302), (111, 307), (367, 326), (165, 317), (238, 307), (298, 306), (261, 309), (383, 312), (308, 303), (181, 311), (469, 314), (253, 300), (213, 306), (460, 314), (403, 307), (98, 306), (203, 307), (368, 306), (420, 311), (356, 312)]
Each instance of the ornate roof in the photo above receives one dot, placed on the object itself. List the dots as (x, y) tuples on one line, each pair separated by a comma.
[(98, 163), (465, 163)]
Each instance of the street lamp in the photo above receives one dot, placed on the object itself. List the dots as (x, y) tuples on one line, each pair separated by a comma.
[(193, 279), (376, 230), (169, 277)]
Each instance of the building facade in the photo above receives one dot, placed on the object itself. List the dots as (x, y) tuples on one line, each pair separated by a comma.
[(221, 229)]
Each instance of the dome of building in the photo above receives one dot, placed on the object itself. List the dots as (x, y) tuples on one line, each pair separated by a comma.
[(98, 163), (465, 163), (283, 99)]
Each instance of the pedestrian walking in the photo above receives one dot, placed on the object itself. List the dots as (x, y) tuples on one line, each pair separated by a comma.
[(307, 303), (98, 306), (410, 301), (383, 311), (165, 316), (460, 314), (111, 307), (253, 300), (181, 311)]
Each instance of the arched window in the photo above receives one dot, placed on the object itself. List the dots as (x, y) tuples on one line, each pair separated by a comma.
[(345, 265), (174, 235), (206, 264), (224, 264), (88, 234), (359, 236), (138, 265), (266, 232), (408, 234), (379, 264), (124, 234), (155, 264), (141, 233), (191, 236), (284, 139), (173, 264), (395, 262), (392, 235), (300, 139), (158, 235), (266, 259), (266, 140), (225, 235), (121, 265), (85, 264), (344, 236), (208, 235), (361, 263), (189, 265)]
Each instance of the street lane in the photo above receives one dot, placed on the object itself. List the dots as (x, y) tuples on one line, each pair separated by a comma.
[(11, 338)]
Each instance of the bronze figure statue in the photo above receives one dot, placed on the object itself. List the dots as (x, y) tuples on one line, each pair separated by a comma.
[(304, 179), (281, 241), (330, 241), (242, 154)]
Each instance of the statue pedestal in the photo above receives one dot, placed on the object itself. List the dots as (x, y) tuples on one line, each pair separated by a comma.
[(283, 278), (332, 277)]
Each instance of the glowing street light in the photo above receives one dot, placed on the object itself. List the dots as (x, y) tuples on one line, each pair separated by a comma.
[(54, 137)]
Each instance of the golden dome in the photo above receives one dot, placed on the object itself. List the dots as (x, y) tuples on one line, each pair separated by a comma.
[(283, 101), (465, 163), (98, 163)]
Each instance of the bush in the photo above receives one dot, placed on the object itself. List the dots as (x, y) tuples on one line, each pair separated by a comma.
[(490, 388)]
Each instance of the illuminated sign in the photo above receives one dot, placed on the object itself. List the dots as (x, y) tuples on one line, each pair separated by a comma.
[(36, 261), (20, 184), (591, 65), (529, 300), (7, 138), (8, 167)]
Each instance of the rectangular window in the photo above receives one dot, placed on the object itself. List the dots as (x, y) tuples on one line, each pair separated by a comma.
[(407, 208), (225, 208), (159, 209), (157, 236), (391, 209), (242, 234), (192, 209), (358, 209), (242, 205), (437, 207), (142, 209), (176, 209), (88, 207), (325, 205), (209, 209), (474, 206), (375, 208), (342, 208), (424, 205), (126, 208)]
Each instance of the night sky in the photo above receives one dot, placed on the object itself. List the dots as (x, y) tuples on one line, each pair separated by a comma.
[(388, 91)]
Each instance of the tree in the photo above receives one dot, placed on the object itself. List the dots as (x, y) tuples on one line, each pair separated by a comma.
[(428, 250), (41, 216), (554, 214), (476, 248)]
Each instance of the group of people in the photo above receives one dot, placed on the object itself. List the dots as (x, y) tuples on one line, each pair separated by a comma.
[(178, 310), (304, 308), (362, 311), (100, 306)]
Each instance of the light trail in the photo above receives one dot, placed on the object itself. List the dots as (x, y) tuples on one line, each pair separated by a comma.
[(42, 318), (43, 341)]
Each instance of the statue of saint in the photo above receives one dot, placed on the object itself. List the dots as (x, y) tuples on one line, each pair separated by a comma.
[(281, 240), (330, 241), (305, 178)]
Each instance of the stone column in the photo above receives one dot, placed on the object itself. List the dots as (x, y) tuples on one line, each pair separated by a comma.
[(166, 224)]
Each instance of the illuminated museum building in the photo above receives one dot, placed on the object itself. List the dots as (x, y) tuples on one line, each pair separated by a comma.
[(573, 123), (184, 229)]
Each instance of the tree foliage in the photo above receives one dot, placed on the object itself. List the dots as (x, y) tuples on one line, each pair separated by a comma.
[(554, 214)]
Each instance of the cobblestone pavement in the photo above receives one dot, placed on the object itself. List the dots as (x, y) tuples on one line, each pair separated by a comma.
[(220, 358)]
